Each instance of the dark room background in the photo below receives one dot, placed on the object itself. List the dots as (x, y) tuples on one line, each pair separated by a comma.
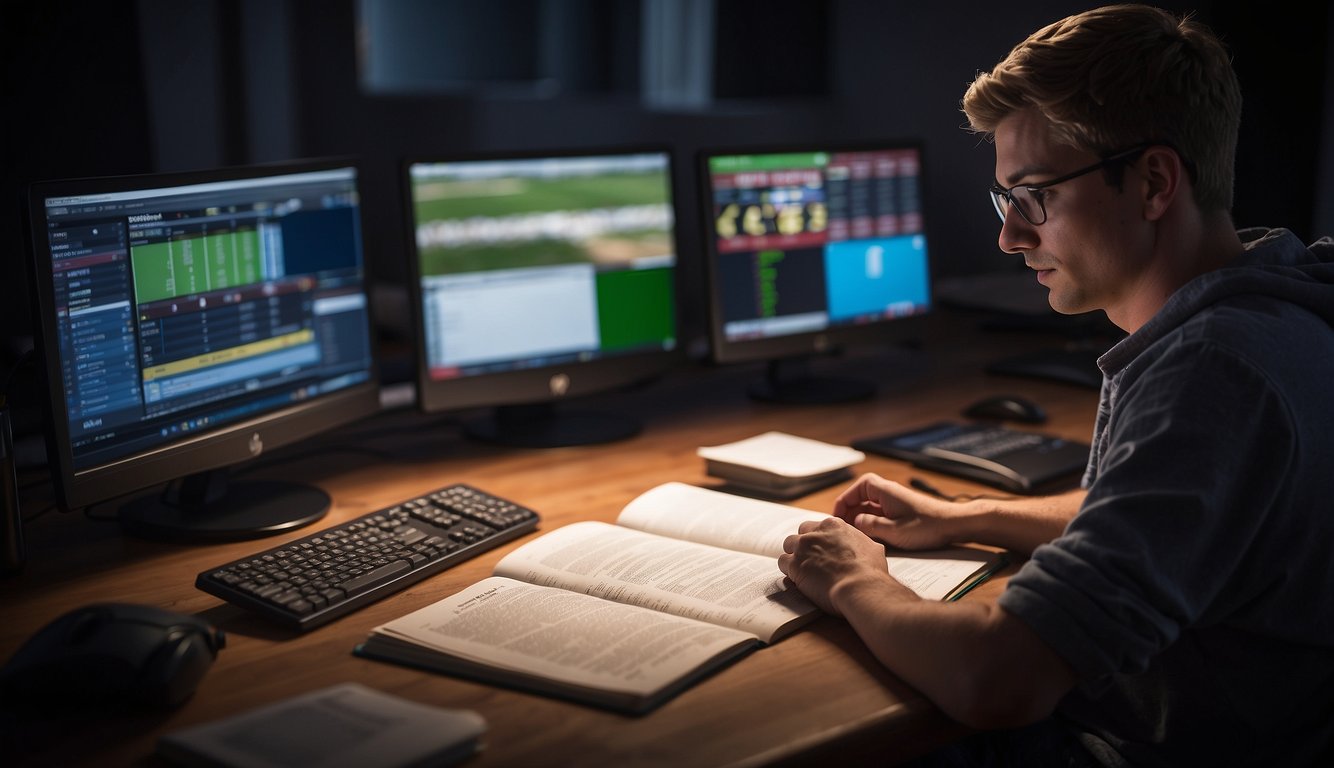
[(98, 88)]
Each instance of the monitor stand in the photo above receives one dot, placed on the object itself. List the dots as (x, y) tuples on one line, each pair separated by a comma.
[(207, 507), (543, 425), (790, 381)]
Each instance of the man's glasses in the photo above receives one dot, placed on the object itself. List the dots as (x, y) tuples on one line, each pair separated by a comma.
[(1027, 198)]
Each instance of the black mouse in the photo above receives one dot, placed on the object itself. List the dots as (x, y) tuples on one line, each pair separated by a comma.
[(111, 654), (1006, 408)]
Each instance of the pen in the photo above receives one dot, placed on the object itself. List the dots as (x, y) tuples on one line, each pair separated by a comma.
[(926, 487)]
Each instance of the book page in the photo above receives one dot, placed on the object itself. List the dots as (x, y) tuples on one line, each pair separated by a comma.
[(936, 574), (734, 589), (564, 636), (718, 519), (752, 525)]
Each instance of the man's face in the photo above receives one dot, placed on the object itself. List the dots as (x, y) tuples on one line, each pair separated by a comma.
[(1092, 249)]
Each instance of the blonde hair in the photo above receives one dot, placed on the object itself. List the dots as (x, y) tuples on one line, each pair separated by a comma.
[(1122, 75)]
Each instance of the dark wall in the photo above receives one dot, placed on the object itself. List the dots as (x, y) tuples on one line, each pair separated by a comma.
[(795, 70), (76, 107), (1284, 63), (128, 87)]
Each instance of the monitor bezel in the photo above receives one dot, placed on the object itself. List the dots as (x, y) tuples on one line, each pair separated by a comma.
[(806, 343), (217, 448), (545, 384)]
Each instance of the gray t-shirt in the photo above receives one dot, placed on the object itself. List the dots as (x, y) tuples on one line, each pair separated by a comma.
[(1193, 594)]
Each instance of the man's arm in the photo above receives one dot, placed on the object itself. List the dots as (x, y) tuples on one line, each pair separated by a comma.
[(979, 664), (909, 519)]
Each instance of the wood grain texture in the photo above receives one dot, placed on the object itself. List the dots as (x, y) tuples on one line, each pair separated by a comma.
[(815, 696)]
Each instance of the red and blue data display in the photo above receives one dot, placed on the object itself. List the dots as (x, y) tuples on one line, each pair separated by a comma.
[(807, 240)]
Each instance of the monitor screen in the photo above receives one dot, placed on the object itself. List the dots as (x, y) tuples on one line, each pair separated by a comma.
[(811, 248), (540, 277), (193, 321)]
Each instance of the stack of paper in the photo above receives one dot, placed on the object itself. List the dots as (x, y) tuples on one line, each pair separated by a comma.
[(781, 465), (343, 726)]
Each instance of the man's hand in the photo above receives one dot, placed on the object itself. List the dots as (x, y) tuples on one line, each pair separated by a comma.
[(827, 557), (898, 515), (907, 519)]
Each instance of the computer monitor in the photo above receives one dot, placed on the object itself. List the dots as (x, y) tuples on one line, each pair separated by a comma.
[(193, 321), (811, 248), (539, 277)]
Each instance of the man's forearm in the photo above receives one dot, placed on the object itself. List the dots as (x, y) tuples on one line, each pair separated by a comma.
[(1019, 524), (979, 664)]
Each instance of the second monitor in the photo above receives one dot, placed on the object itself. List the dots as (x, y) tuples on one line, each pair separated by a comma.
[(811, 248), (540, 277)]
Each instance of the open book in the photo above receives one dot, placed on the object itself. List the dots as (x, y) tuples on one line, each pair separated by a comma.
[(626, 616)]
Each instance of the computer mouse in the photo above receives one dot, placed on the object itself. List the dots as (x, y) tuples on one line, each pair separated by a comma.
[(111, 654), (1006, 408)]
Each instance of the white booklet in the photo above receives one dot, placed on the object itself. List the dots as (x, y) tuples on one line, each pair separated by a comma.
[(779, 464), (342, 726), (626, 616)]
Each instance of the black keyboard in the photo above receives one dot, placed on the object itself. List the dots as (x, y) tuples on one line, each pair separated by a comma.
[(313, 580), (1021, 462)]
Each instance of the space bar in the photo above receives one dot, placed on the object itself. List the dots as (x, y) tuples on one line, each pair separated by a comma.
[(368, 581)]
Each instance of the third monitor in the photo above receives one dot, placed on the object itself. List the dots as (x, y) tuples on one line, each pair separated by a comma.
[(810, 248)]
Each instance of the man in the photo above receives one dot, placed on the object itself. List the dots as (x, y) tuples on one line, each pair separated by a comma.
[(1179, 609)]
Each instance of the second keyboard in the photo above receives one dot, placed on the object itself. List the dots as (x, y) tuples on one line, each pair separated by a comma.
[(317, 578)]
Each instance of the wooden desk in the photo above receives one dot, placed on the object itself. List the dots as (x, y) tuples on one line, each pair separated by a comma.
[(816, 696)]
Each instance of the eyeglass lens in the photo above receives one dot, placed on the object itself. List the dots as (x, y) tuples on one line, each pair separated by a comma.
[(1028, 206)]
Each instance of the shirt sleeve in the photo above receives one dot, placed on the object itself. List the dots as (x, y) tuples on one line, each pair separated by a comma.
[(1196, 445)]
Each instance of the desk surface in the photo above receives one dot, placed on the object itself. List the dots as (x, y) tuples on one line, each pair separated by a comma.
[(815, 695)]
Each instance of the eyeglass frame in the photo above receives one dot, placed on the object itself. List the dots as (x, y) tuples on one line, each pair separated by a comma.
[(998, 193)]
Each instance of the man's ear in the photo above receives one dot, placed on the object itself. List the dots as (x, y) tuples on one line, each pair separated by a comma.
[(1165, 180)]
